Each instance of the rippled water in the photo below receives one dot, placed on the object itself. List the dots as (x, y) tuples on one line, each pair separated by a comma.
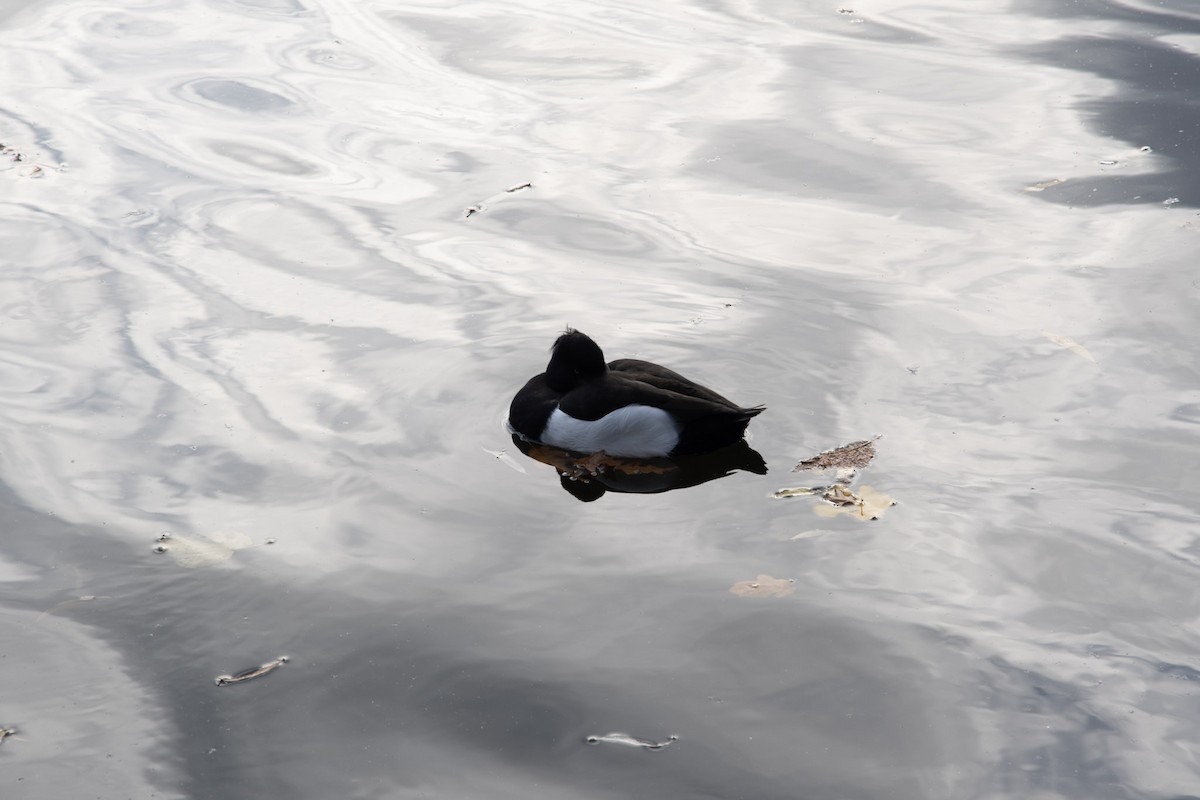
[(262, 281)]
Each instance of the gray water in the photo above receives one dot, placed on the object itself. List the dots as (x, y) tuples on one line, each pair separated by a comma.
[(242, 302)]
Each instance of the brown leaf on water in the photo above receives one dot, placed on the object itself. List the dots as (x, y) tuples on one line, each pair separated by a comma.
[(854, 455), (865, 504), (764, 586)]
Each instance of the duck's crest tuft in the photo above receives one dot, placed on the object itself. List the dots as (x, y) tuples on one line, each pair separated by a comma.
[(574, 359)]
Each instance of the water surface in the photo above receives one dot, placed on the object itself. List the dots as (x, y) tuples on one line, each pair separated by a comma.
[(243, 301)]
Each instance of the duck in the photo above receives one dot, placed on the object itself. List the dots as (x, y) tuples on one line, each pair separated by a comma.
[(629, 408)]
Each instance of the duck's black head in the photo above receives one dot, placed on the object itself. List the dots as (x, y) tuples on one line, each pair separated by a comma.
[(574, 359)]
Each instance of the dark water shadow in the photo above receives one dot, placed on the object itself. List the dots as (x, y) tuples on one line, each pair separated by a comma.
[(1156, 108), (416, 690)]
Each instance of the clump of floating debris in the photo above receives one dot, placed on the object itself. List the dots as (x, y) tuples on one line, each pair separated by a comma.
[(855, 455), (866, 503), (841, 464)]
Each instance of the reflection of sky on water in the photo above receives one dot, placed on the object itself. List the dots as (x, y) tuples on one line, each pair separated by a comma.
[(252, 307)]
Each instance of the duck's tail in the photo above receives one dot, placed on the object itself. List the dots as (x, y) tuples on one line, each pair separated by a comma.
[(715, 431), (752, 412)]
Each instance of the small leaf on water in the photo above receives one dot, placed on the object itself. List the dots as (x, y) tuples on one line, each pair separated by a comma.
[(764, 586), (205, 551)]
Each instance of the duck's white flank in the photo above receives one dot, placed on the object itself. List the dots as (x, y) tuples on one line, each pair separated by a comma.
[(635, 431)]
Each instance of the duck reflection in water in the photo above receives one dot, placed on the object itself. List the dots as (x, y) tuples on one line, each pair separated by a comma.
[(588, 477), (628, 409)]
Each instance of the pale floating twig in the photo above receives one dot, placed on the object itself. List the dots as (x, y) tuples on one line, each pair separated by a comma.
[(1042, 186), (482, 205), (1070, 344), (798, 491), (251, 674), (631, 741)]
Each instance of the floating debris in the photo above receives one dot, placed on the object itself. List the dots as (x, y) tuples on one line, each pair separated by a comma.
[(631, 741), (205, 551), (840, 495), (1070, 344), (1108, 162), (251, 674), (1043, 185), (483, 204), (798, 491), (865, 504), (164, 536), (503, 457), (1170, 201), (87, 598), (764, 586), (31, 169), (854, 455), (814, 533)]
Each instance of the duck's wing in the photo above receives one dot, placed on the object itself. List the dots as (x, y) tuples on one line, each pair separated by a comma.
[(663, 378), (620, 388)]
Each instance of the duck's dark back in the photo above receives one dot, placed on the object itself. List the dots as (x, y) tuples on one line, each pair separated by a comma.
[(663, 378)]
